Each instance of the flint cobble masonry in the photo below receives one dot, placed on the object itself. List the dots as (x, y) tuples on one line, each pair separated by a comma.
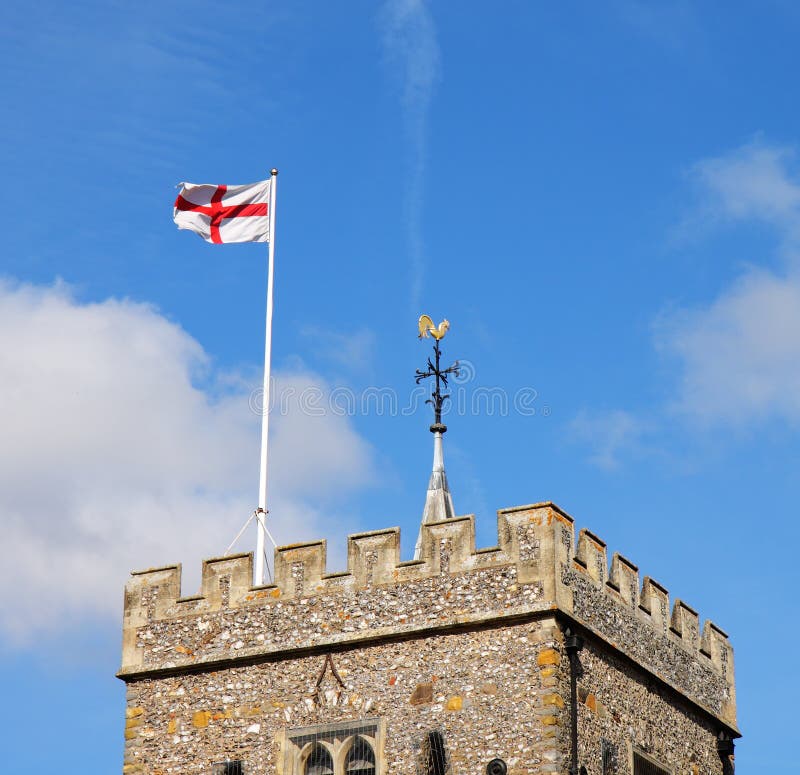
[(466, 642), (459, 683), (622, 707)]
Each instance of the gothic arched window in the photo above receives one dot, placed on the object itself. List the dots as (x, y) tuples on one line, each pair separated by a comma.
[(341, 748), (319, 761), (360, 758)]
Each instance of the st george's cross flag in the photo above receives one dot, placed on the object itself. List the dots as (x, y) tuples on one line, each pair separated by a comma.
[(221, 214)]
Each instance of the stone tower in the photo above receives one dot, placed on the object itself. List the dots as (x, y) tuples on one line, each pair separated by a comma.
[(435, 665)]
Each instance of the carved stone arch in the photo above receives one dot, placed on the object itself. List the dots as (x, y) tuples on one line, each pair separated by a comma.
[(342, 747), (298, 757), (308, 750), (303, 753), (348, 741), (337, 739)]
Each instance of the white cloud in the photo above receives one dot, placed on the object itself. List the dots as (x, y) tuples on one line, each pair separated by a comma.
[(753, 182), (737, 356), (123, 448), (740, 356), (412, 49)]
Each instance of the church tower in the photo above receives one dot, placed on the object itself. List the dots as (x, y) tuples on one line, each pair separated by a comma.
[(531, 657), (526, 652)]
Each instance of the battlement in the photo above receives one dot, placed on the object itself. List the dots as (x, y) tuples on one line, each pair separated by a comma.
[(536, 568)]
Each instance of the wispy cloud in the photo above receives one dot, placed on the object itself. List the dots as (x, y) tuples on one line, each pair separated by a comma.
[(123, 447), (351, 351), (608, 435), (412, 51), (672, 23), (756, 182), (737, 357)]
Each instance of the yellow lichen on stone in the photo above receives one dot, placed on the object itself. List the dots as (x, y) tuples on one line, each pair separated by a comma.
[(549, 721), (201, 718), (133, 712), (546, 672), (455, 703), (172, 726), (553, 699), (548, 657)]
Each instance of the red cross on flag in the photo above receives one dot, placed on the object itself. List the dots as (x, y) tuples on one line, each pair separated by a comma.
[(224, 213)]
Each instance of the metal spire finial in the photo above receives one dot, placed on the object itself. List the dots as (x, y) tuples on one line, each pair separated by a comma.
[(439, 502), (427, 328)]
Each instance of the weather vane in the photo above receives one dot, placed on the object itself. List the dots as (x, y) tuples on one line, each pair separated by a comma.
[(427, 328)]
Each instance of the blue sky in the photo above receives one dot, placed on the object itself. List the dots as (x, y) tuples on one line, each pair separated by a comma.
[(604, 200)]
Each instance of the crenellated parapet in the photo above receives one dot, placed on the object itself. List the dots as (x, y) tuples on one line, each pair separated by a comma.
[(536, 568), (636, 618)]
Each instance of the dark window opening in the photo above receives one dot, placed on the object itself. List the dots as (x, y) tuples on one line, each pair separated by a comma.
[(434, 759), (645, 766), (319, 761), (360, 758), (227, 768), (609, 757)]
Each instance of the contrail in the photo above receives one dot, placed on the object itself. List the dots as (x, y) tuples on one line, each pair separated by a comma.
[(409, 36)]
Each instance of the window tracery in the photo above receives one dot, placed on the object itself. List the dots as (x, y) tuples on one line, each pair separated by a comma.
[(349, 748)]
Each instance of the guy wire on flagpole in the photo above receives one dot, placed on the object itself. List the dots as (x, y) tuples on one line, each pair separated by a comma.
[(261, 512)]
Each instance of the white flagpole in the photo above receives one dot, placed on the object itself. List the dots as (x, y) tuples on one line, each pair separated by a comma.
[(262, 485)]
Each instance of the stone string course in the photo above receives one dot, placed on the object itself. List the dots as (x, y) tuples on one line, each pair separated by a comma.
[(461, 639)]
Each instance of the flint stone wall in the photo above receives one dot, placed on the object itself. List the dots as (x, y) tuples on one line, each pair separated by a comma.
[(492, 692), (621, 707)]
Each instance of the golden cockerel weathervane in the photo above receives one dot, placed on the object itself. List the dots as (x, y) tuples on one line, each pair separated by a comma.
[(427, 328)]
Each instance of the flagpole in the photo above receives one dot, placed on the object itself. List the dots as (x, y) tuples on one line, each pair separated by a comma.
[(262, 512)]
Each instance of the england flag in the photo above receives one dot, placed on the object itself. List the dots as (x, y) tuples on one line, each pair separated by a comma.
[(221, 214)]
